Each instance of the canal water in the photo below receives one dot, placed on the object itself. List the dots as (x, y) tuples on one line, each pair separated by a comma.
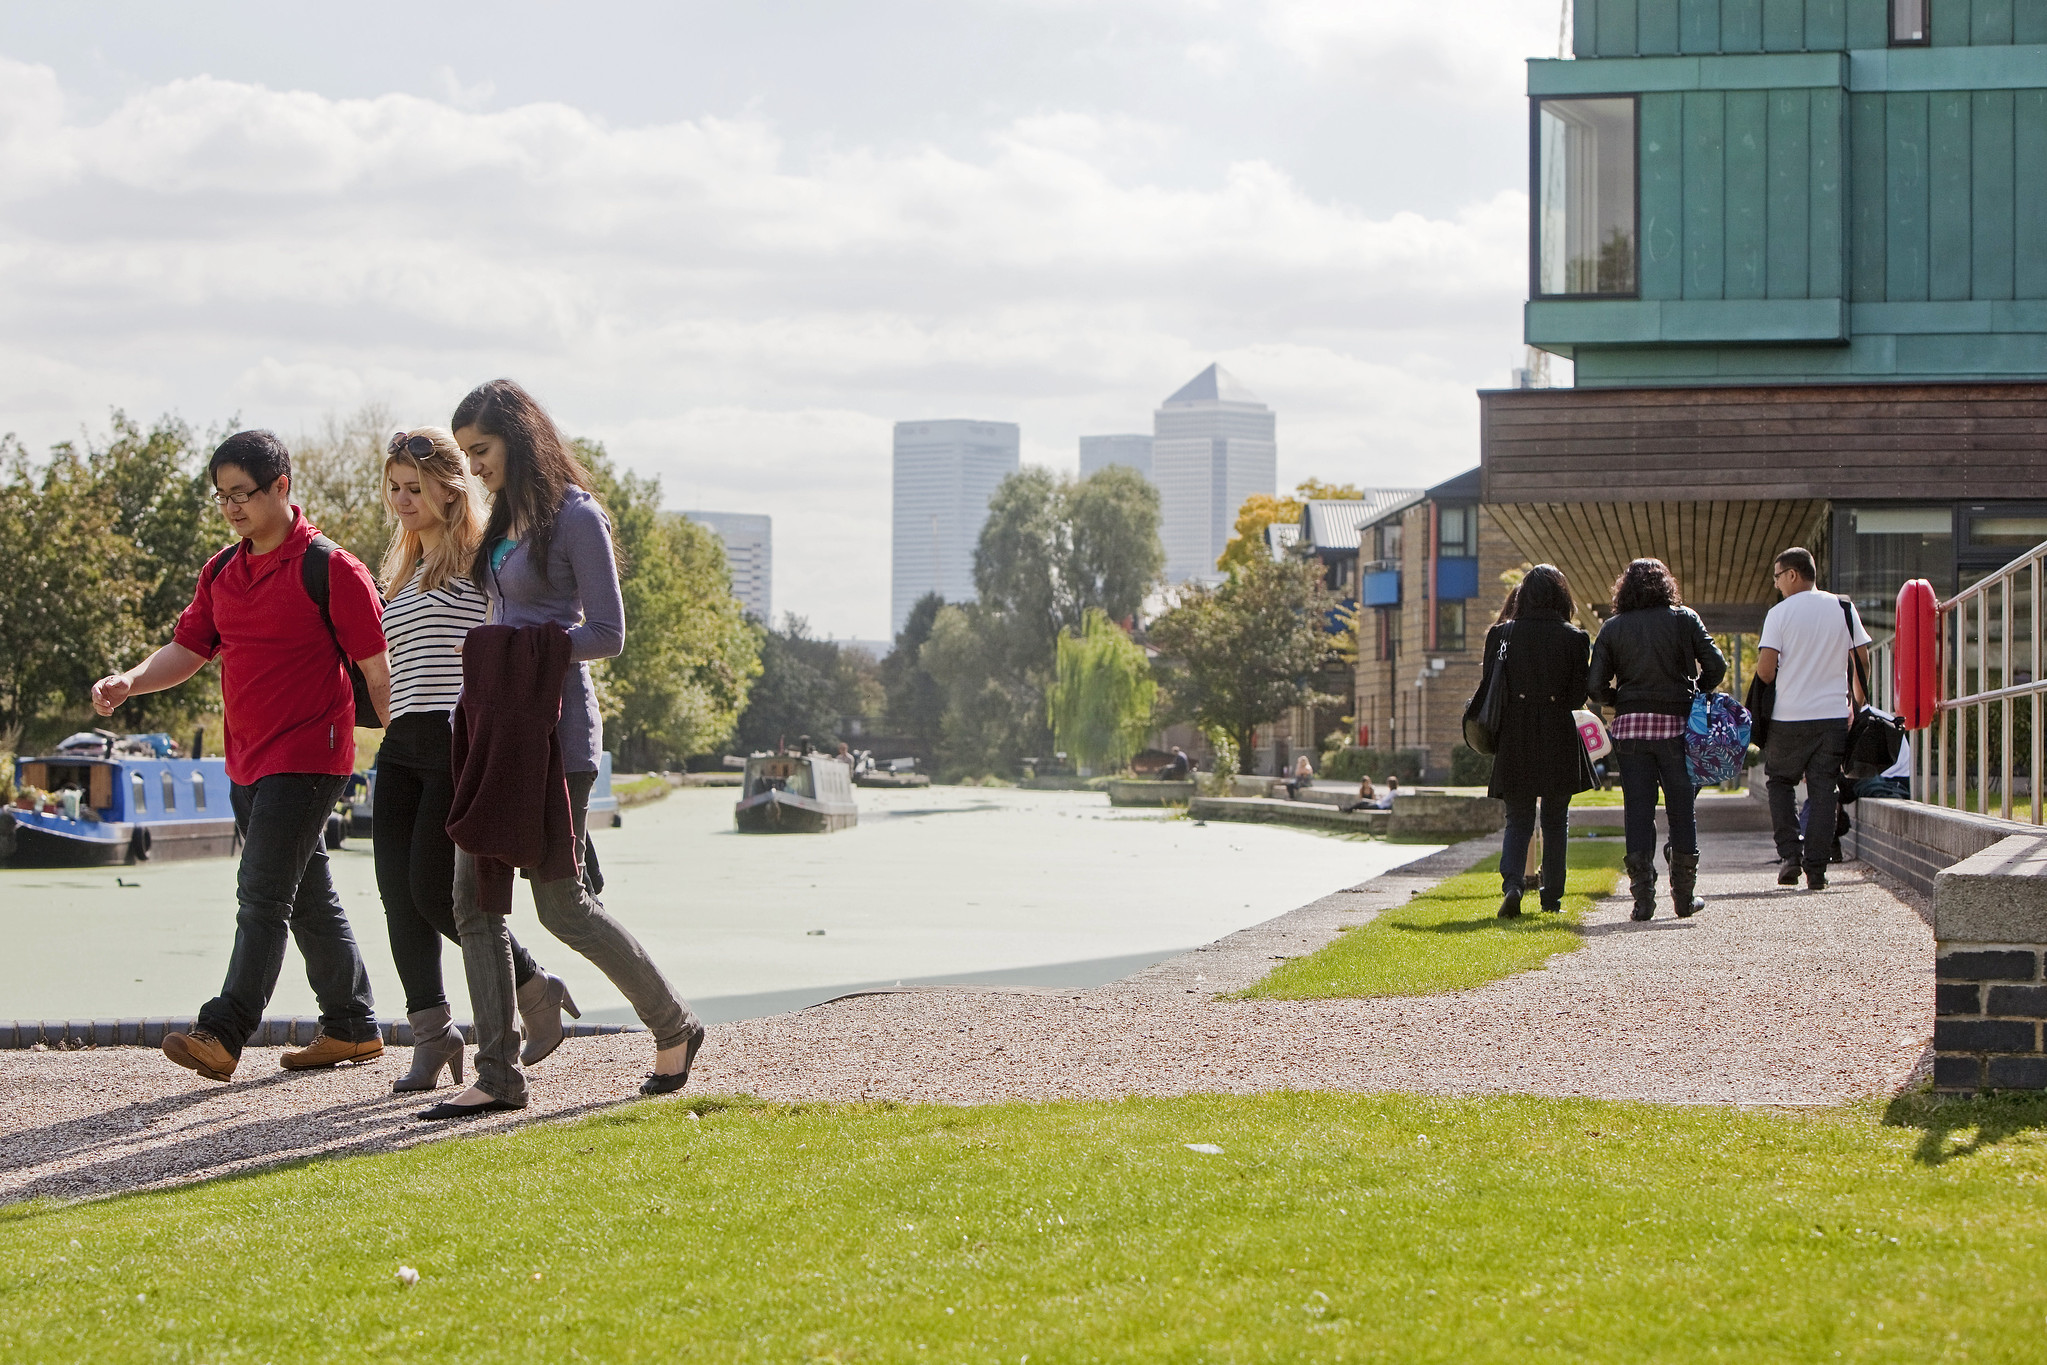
[(946, 884)]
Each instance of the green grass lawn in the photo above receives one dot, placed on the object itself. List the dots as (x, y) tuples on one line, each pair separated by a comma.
[(1448, 938), (1330, 1227)]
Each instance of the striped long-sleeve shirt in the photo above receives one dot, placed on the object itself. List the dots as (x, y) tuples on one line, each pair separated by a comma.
[(423, 629)]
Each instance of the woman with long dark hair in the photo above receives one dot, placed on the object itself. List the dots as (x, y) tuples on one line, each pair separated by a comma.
[(1652, 657), (1538, 757), (430, 604), (546, 559)]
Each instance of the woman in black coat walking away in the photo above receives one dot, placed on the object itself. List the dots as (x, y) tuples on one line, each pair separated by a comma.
[(1538, 755), (1653, 656)]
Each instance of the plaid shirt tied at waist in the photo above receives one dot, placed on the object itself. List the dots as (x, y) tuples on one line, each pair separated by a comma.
[(1646, 725)]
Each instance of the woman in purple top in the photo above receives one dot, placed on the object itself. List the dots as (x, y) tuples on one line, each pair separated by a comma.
[(547, 559)]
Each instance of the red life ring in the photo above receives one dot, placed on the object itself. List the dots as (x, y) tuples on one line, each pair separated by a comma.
[(1915, 654)]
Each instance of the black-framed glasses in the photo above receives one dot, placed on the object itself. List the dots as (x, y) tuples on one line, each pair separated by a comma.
[(415, 445), (221, 499)]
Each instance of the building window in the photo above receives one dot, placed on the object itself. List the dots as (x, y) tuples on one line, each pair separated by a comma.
[(1908, 23), (1389, 633), (1449, 625), (1455, 536), (1585, 197), (1389, 541)]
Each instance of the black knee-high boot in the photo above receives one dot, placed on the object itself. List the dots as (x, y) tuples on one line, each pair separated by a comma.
[(1684, 881), (1642, 881)]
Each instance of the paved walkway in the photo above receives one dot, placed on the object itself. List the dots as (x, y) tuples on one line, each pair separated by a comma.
[(1769, 997)]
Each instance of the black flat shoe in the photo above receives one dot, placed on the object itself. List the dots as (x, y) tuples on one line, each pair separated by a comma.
[(658, 1084), (1510, 905), (1549, 909), (449, 1110)]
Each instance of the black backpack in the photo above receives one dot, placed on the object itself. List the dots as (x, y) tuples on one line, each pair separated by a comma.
[(315, 571)]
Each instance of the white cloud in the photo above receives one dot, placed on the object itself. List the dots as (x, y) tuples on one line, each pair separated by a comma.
[(743, 319)]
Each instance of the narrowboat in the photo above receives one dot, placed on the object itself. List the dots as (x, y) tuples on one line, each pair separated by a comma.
[(796, 794), (127, 803)]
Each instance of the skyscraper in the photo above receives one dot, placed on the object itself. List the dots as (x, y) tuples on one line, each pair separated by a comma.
[(1213, 445), (945, 472), (750, 555), (1099, 452)]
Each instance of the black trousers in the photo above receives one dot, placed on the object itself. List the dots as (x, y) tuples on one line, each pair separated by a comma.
[(284, 893), (416, 869), (1808, 751)]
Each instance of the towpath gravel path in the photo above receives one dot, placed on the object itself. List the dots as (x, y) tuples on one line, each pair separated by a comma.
[(1769, 997)]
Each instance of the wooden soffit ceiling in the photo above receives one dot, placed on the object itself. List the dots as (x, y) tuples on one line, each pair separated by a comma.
[(1719, 551)]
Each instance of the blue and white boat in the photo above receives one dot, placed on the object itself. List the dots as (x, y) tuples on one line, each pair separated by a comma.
[(123, 804)]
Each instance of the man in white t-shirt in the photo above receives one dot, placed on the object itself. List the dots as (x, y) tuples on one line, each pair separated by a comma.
[(1808, 640)]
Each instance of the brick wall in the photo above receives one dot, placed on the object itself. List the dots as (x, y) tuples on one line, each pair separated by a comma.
[(1990, 993), (1988, 1005)]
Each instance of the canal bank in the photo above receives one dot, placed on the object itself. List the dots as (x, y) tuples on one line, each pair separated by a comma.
[(948, 884)]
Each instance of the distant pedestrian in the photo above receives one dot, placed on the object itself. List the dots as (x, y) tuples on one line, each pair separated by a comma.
[(290, 710), (430, 607), (1176, 768), (1538, 755), (1652, 657), (548, 563), (1809, 641), (1303, 776)]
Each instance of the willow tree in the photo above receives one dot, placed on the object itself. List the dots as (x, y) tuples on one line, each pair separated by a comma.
[(1102, 694)]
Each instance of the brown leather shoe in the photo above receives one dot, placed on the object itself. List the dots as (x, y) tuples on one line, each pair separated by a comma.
[(201, 1052), (326, 1051)]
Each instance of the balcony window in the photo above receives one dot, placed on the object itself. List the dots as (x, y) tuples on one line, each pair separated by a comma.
[(1908, 23), (1454, 531), (1585, 197)]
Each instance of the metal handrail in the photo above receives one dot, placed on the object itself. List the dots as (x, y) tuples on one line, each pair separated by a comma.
[(1988, 678)]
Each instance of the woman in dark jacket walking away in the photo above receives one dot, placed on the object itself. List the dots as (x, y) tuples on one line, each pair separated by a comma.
[(1538, 755), (1652, 657)]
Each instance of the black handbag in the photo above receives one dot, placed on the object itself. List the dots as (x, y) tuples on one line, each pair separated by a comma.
[(1487, 710)]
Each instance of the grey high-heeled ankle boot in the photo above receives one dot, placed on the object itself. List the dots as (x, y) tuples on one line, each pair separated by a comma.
[(436, 1043), (541, 1002)]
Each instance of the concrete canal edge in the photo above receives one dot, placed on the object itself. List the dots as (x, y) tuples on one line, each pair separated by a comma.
[(295, 1031)]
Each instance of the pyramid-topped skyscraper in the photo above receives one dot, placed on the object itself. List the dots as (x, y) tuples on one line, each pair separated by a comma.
[(1214, 444)]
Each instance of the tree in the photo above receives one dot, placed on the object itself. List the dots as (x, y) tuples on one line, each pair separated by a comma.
[(1247, 650), (1051, 550), (71, 594), (805, 688), (690, 656), (1103, 696), (1261, 510), (914, 703), (337, 476), (993, 718)]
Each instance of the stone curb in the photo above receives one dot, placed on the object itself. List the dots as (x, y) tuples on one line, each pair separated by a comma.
[(296, 1031)]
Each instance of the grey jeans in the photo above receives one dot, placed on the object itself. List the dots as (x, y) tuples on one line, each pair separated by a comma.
[(1809, 751), (572, 914)]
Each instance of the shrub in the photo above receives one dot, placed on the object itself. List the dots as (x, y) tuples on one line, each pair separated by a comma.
[(1350, 763), (1469, 767)]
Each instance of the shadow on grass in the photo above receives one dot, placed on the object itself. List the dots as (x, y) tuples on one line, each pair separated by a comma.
[(1522, 923), (1950, 1126)]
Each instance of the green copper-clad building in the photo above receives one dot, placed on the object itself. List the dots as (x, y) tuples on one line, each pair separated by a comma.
[(1797, 253)]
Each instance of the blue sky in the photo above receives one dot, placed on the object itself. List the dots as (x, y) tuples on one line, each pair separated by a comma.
[(737, 242)]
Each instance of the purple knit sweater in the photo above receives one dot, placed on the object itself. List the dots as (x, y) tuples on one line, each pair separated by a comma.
[(579, 594)]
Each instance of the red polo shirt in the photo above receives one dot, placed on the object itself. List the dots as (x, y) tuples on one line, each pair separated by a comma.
[(287, 702)]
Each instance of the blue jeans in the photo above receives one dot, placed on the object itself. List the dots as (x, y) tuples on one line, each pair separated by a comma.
[(1647, 764), (284, 890), (1556, 836)]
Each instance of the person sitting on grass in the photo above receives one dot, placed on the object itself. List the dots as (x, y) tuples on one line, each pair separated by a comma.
[(290, 714)]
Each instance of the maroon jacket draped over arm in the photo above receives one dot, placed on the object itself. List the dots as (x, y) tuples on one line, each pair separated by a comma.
[(511, 806)]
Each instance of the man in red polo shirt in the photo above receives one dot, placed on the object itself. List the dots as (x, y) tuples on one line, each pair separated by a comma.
[(289, 712)]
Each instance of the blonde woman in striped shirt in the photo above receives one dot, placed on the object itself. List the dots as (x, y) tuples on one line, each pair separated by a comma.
[(430, 605)]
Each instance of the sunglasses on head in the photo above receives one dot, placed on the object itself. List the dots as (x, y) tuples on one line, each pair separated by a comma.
[(419, 447)]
